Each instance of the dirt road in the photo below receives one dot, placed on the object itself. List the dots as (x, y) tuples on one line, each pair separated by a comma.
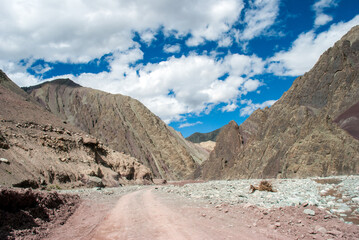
[(150, 213), (146, 215)]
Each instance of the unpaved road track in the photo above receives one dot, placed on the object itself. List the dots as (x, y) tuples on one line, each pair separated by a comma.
[(145, 215), (151, 213)]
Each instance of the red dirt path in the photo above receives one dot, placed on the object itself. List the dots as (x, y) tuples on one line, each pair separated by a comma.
[(153, 214)]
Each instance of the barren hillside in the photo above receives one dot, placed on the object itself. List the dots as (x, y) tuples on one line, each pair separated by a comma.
[(123, 124), (37, 149)]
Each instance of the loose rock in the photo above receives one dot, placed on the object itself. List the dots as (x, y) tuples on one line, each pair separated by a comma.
[(309, 212)]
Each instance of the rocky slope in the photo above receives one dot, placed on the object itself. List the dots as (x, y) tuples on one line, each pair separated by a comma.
[(125, 125), (37, 148), (204, 137), (302, 133)]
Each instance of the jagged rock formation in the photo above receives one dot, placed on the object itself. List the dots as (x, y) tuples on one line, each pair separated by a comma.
[(37, 148), (204, 137), (299, 135), (125, 125)]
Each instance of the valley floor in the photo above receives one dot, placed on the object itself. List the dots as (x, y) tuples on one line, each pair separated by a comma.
[(218, 210)]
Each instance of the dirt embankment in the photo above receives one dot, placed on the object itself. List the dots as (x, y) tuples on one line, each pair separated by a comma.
[(27, 214)]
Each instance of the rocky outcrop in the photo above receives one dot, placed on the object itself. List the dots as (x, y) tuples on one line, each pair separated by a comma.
[(302, 133), (228, 145), (42, 151), (204, 137), (123, 124)]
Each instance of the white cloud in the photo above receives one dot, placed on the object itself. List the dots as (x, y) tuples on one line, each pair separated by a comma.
[(321, 4), (193, 81), (251, 107), (225, 42), (41, 69), (251, 85), (307, 48), (318, 7), (172, 48), (148, 36), (183, 125), (322, 19), (259, 18), (244, 65), (230, 107), (79, 31)]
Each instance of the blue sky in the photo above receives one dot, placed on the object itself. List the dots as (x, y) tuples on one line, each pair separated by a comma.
[(196, 64)]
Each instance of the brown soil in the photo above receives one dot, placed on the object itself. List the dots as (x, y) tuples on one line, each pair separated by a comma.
[(151, 213), (26, 214)]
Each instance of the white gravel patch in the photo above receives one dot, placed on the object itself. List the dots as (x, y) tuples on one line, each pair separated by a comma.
[(339, 194)]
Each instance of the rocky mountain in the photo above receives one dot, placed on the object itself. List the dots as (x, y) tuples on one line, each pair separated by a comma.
[(198, 137), (123, 124), (311, 131), (37, 148)]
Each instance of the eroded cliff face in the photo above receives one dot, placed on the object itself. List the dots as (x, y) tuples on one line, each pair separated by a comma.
[(310, 131), (39, 149), (123, 124)]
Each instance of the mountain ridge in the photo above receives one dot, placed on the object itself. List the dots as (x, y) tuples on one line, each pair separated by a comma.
[(125, 125), (198, 137), (38, 149), (298, 136)]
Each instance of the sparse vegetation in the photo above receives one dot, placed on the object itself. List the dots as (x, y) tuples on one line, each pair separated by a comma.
[(53, 187), (263, 186)]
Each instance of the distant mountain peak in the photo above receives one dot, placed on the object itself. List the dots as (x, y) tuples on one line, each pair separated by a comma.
[(65, 81), (198, 137)]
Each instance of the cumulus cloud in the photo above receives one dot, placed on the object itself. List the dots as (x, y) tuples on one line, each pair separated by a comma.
[(230, 107), (79, 31), (172, 48), (251, 107), (320, 17), (243, 65), (259, 18), (178, 86), (183, 125), (225, 42), (307, 48)]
